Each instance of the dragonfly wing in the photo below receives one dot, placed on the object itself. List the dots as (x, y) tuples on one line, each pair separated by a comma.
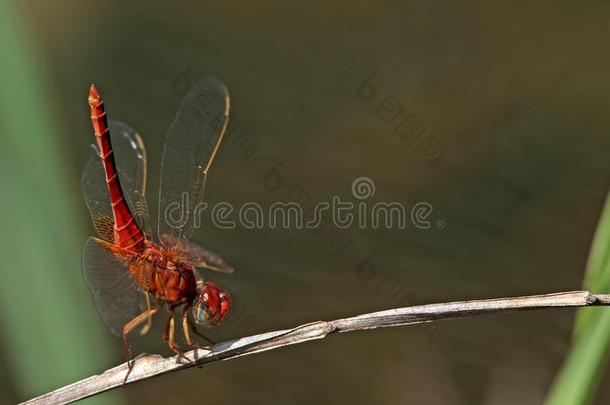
[(130, 156), (191, 144), (95, 191), (193, 254), (118, 296)]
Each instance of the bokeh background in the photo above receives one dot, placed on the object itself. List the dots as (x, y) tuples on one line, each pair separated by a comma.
[(514, 96)]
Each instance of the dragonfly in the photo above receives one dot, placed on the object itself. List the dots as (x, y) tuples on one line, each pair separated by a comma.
[(133, 276)]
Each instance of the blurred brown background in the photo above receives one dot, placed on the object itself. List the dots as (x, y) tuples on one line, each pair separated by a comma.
[(515, 94)]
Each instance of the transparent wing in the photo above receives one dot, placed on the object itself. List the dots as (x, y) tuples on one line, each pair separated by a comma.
[(118, 295), (130, 158), (192, 142), (193, 254)]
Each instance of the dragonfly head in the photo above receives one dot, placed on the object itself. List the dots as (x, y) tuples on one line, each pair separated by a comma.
[(211, 305)]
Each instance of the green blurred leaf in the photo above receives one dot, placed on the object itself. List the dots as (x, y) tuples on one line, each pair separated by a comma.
[(579, 377), (51, 336), (597, 275)]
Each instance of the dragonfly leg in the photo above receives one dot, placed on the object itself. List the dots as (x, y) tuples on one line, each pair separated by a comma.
[(166, 330), (131, 325), (167, 324), (146, 328), (171, 338), (186, 325), (187, 335)]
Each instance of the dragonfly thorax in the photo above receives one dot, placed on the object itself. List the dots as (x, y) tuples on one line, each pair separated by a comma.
[(158, 257), (165, 276)]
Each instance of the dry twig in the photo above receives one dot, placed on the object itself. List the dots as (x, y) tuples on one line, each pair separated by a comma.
[(148, 365)]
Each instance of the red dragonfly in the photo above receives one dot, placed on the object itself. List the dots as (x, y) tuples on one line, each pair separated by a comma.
[(131, 275)]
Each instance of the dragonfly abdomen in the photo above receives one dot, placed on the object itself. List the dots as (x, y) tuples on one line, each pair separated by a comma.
[(127, 234)]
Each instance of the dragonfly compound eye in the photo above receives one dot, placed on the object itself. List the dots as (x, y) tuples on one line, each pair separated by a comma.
[(211, 305)]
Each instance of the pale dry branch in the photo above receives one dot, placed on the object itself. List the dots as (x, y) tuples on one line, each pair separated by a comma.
[(148, 365)]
